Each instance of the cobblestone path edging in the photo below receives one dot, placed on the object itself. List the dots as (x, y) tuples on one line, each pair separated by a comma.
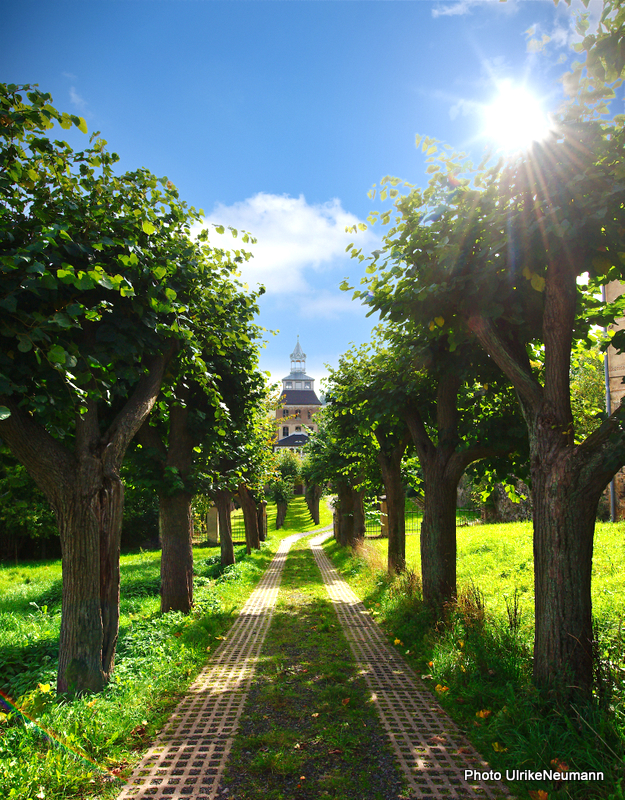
[(432, 752), (188, 758)]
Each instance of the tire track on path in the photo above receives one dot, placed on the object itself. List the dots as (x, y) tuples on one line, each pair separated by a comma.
[(188, 757), (432, 752)]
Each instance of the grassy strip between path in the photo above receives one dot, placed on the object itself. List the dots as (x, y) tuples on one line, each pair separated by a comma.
[(309, 730), (57, 748), (478, 661)]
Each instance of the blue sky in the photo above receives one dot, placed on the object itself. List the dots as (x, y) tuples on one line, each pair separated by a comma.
[(277, 116)]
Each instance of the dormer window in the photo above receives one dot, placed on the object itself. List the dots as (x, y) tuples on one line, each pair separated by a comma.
[(289, 385), (307, 385), (298, 384)]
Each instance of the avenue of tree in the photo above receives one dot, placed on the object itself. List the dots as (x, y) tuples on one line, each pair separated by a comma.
[(510, 258), (110, 309)]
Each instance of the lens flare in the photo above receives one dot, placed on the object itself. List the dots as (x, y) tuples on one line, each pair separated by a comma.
[(515, 119)]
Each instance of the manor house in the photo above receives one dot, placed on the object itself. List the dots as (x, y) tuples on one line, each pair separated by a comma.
[(300, 404)]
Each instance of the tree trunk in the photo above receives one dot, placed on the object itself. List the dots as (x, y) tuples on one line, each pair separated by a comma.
[(175, 515), (390, 467), (250, 517), (176, 527), (565, 493), (313, 494), (281, 509), (345, 514), (261, 519), (223, 501), (438, 534), (89, 519), (359, 524)]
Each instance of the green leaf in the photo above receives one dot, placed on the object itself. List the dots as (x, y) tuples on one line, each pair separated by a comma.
[(57, 354), (24, 344), (82, 125), (148, 227), (4, 413)]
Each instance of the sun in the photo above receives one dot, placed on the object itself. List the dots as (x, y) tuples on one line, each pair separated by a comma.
[(515, 119)]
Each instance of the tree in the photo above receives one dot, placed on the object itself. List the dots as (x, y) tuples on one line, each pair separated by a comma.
[(495, 254), (340, 455), (365, 387), (97, 272), (192, 416), (286, 471), (453, 410)]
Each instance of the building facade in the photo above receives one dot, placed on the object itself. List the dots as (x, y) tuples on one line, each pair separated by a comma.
[(299, 404)]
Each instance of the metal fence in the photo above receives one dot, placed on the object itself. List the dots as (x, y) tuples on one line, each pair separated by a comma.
[(375, 521)]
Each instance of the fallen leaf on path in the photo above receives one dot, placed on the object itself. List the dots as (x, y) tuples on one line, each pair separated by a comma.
[(337, 751), (464, 750), (437, 740), (345, 701)]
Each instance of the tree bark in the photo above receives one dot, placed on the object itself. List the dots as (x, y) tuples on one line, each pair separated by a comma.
[(345, 514), (359, 525), (175, 515), (313, 494), (250, 517), (438, 533), (351, 515), (176, 528), (281, 509), (261, 519), (223, 501), (390, 466)]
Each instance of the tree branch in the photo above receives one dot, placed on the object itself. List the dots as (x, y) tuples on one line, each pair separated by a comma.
[(528, 388), (135, 411), (414, 421), (49, 463)]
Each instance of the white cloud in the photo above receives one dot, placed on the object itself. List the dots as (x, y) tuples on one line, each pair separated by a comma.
[(300, 246), (76, 99), (463, 108), (461, 7)]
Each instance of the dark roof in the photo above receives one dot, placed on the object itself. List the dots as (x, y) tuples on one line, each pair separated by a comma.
[(294, 440), (298, 376), (299, 397)]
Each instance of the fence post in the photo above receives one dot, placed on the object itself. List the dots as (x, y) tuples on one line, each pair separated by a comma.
[(212, 527), (383, 517)]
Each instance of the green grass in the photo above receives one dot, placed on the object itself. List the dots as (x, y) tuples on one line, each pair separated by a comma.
[(480, 659), (79, 747), (309, 729)]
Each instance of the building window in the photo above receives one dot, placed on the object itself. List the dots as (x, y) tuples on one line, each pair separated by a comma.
[(289, 385), (285, 430), (285, 412), (298, 384), (307, 385), (298, 429), (297, 413), (310, 415)]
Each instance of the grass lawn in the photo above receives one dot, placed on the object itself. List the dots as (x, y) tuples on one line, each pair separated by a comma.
[(479, 661), (62, 747)]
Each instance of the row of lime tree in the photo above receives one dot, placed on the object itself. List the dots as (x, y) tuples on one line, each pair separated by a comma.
[(489, 286), (121, 322)]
